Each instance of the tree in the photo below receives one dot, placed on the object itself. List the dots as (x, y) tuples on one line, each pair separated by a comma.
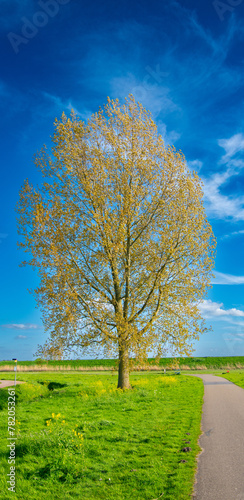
[(120, 237)]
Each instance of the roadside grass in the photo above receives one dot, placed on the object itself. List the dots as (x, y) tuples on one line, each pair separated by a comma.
[(235, 377), (80, 437)]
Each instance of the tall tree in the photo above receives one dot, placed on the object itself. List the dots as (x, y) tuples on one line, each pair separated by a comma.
[(119, 234)]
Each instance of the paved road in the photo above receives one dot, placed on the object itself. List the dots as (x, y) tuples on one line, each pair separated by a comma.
[(220, 474), (8, 383)]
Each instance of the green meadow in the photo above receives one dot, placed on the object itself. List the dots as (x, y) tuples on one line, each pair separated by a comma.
[(80, 437), (237, 377)]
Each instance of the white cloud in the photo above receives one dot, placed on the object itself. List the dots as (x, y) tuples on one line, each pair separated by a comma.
[(65, 105), (219, 205), (211, 309), (234, 233), (227, 279), (233, 145), (21, 326), (21, 337), (153, 96), (168, 137)]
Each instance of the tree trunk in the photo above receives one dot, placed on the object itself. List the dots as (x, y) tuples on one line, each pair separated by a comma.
[(124, 378)]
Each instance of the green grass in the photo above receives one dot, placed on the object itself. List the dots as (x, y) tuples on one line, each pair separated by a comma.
[(207, 363), (236, 377), (129, 444)]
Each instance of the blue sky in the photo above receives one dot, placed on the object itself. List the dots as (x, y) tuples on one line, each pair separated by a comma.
[(184, 62)]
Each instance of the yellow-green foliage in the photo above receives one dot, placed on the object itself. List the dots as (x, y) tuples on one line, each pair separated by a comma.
[(98, 388), (167, 380), (103, 387), (119, 234), (27, 391)]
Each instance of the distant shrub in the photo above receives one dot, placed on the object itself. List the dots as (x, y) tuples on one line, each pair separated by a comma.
[(40, 361)]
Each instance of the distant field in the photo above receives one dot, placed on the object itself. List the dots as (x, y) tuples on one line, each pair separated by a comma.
[(194, 363), (80, 437)]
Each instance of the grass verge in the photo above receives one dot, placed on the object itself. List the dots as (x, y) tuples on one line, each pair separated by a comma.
[(236, 377), (80, 437)]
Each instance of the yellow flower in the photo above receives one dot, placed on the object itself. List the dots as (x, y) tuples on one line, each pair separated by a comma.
[(58, 415), (53, 415)]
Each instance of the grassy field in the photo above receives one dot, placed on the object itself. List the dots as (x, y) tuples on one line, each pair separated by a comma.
[(80, 437), (236, 377), (207, 363)]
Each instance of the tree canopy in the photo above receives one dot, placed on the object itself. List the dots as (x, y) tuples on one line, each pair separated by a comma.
[(120, 237)]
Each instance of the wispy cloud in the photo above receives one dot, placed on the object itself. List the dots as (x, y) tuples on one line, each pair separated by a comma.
[(233, 342), (154, 96), (220, 205), (169, 137), (21, 326), (226, 205), (63, 105), (233, 233), (227, 279), (232, 146), (211, 309), (21, 337)]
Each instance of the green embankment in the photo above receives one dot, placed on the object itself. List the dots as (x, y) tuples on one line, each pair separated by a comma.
[(194, 363)]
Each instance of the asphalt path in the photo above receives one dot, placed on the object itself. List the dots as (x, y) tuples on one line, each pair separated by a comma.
[(8, 383), (220, 474)]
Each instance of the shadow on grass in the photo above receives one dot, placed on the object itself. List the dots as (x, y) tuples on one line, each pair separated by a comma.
[(53, 385)]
